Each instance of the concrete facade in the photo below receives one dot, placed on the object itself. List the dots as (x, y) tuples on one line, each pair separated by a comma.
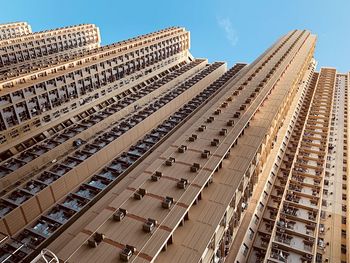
[(138, 152)]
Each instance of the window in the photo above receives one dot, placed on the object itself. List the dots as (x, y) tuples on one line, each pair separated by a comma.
[(245, 249), (265, 195), (256, 219), (343, 233), (251, 234), (343, 249), (344, 208), (261, 206)]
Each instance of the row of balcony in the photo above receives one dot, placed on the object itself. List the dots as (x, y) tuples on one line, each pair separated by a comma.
[(119, 128), (35, 151), (297, 224), (112, 173), (268, 221)]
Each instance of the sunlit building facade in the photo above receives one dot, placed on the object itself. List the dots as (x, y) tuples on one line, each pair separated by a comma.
[(137, 151)]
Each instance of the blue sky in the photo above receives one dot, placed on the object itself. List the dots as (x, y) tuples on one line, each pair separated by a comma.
[(221, 30)]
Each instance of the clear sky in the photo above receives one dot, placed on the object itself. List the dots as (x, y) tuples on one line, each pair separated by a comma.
[(221, 30)]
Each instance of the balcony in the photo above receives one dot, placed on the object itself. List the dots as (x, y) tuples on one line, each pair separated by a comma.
[(60, 214), (87, 192), (14, 251), (27, 156), (136, 153), (90, 149), (117, 166), (6, 207), (127, 160), (70, 132), (30, 238), (48, 177), (280, 255), (110, 175), (4, 171), (80, 155), (71, 162), (61, 138), (60, 169), (45, 227), (17, 197), (74, 202), (99, 183), (99, 143), (37, 150), (33, 187), (13, 164)]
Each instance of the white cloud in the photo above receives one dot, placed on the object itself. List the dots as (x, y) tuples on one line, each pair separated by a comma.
[(226, 25)]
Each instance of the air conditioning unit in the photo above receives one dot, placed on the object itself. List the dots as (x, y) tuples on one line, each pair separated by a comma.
[(195, 167), (223, 132), (182, 149), (156, 176), (224, 105), (140, 194), (182, 184), (217, 112), (127, 253), (167, 202), (202, 128), (230, 123), (120, 214), (96, 240), (210, 119), (92, 243), (170, 161), (192, 138), (215, 142), (205, 154), (149, 225)]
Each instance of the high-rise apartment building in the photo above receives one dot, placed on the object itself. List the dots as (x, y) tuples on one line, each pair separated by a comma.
[(138, 152), (300, 213), (32, 52), (11, 30)]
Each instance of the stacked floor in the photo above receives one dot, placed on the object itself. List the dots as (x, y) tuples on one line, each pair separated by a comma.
[(138, 152)]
